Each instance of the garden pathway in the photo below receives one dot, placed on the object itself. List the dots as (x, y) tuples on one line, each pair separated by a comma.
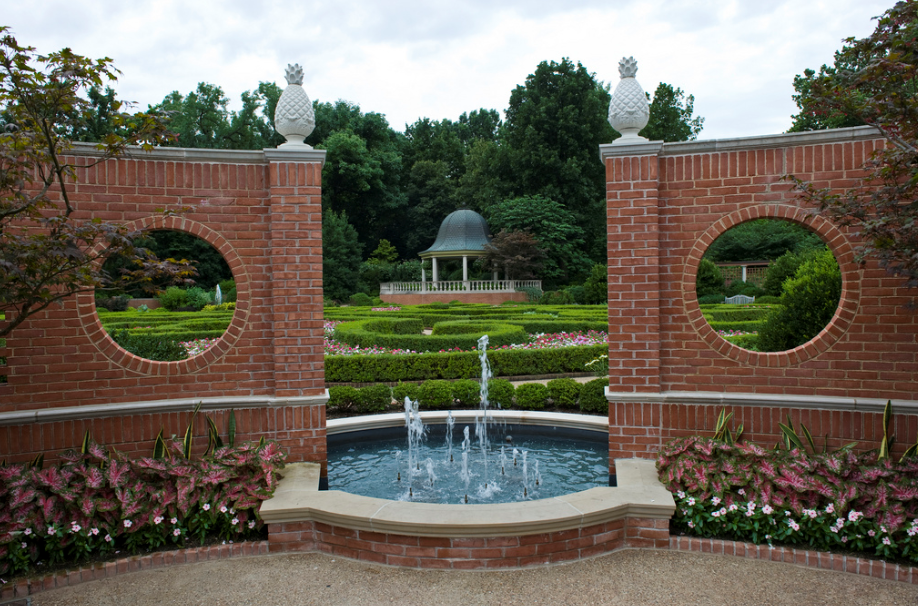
[(623, 578)]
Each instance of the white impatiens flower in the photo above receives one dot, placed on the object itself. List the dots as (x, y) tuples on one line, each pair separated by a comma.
[(223, 509), (252, 524), (128, 523), (27, 531), (234, 521), (176, 532), (158, 520), (206, 507)]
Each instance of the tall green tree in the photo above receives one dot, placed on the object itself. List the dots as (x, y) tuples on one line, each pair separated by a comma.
[(341, 254), (555, 230), (46, 254), (762, 240), (814, 114), (671, 116), (880, 88)]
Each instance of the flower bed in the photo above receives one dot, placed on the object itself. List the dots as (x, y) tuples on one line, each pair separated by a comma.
[(100, 503), (839, 500)]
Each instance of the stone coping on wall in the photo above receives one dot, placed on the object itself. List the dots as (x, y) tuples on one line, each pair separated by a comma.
[(639, 494), (840, 135), (762, 400), (221, 156), (70, 413), (438, 417)]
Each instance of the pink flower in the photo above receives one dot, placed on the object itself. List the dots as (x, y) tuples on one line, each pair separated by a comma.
[(51, 530), (234, 521), (871, 533), (830, 508), (94, 531), (223, 509), (176, 532), (715, 501), (767, 510), (886, 541), (206, 507), (252, 524), (108, 538), (27, 531), (158, 520), (173, 521), (75, 527), (128, 523), (25, 545)]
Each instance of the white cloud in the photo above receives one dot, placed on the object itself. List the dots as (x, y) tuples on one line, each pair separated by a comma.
[(438, 58)]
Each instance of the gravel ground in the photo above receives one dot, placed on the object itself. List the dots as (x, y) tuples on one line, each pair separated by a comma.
[(624, 577)]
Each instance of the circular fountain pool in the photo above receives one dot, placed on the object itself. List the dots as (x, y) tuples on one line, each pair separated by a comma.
[(549, 456)]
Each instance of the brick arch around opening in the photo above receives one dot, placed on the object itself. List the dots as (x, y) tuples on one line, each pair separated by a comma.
[(106, 345), (837, 242)]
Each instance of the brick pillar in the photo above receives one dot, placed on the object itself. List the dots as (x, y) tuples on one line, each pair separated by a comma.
[(295, 248), (633, 247)]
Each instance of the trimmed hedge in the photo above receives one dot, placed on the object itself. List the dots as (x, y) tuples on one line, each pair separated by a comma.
[(435, 394), (735, 313), (467, 393), (564, 392), (458, 365), (151, 347), (380, 333), (593, 396), (744, 326), (531, 396), (501, 392)]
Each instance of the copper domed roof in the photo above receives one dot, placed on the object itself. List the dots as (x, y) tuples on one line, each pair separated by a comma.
[(462, 231)]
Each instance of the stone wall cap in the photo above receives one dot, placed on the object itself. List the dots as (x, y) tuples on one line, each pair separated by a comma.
[(295, 153), (177, 154), (765, 400)]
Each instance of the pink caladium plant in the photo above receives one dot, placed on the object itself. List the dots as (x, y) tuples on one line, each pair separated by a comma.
[(101, 501)]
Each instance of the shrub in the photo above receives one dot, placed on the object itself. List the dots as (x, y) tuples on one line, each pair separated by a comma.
[(596, 287), (501, 392), (807, 306), (373, 398), (710, 299), (738, 287), (360, 300), (531, 396), (767, 300), (150, 347), (564, 392), (783, 268), (173, 298), (593, 396), (197, 297), (342, 396), (467, 392), (709, 281), (405, 390), (116, 303), (435, 394), (577, 293), (533, 294), (555, 297)]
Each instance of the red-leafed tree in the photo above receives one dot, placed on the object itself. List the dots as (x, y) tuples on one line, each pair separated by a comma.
[(46, 254), (876, 81)]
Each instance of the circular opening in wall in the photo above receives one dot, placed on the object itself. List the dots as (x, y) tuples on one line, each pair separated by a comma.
[(154, 318), (768, 285)]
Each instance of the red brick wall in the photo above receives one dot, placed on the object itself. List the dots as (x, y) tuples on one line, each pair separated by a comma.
[(666, 205), (467, 553), (264, 216)]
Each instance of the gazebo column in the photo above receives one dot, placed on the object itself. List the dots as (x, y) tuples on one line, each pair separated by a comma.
[(465, 268), (435, 275), (423, 278)]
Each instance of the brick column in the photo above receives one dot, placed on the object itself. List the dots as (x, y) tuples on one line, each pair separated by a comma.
[(633, 248)]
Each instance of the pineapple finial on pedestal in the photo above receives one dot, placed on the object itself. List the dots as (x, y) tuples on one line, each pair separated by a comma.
[(629, 111), (294, 117)]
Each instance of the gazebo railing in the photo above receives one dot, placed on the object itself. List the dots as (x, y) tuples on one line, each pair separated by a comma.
[(404, 288)]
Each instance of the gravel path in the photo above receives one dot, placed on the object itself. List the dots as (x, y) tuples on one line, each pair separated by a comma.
[(625, 577)]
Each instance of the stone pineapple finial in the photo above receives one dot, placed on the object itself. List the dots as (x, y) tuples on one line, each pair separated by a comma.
[(294, 117), (628, 109)]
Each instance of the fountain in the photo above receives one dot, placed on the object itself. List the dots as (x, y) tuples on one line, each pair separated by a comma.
[(428, 471)]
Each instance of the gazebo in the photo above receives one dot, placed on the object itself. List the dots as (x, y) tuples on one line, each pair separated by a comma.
[(463, 234)]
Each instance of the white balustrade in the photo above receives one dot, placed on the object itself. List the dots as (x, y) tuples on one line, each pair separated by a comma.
[(404, 288)]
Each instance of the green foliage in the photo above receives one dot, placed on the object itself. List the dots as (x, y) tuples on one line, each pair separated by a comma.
[(553, 226), (360, 300), (384, 253), (564, 392), (501, 392), (710, 280), (738, 287), (342, 396), (761, 240), (405, 390), (435, 394), (340, 256), (593, 397), (467, 393), (735, 313), (785, 267), (198, 298), (513, 254), (671, 116), (556, 297), (173, 298), (577, 294), (531, 396), (596, 287), (150, 347), (809, 301), (404, 333), (710, 299), (418, 367), (373, 398), (815, 114), (117, 303)]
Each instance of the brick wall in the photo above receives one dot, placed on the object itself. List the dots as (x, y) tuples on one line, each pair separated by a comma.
[(666, 204), (262, 211)]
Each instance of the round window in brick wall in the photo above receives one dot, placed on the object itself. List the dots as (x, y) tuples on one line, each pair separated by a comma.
[(184, 323), (767, 284)]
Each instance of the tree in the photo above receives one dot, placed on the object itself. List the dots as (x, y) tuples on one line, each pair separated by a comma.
[(881, 91), (596, 287), (783, 268), (515, 254), (710, 280), (814, 114), (809, 301), (671, 116), (46, 251), (341, 253), (554, 228), (761, 240)]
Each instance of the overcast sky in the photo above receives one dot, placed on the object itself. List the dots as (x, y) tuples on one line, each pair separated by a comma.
[(409, 59)]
